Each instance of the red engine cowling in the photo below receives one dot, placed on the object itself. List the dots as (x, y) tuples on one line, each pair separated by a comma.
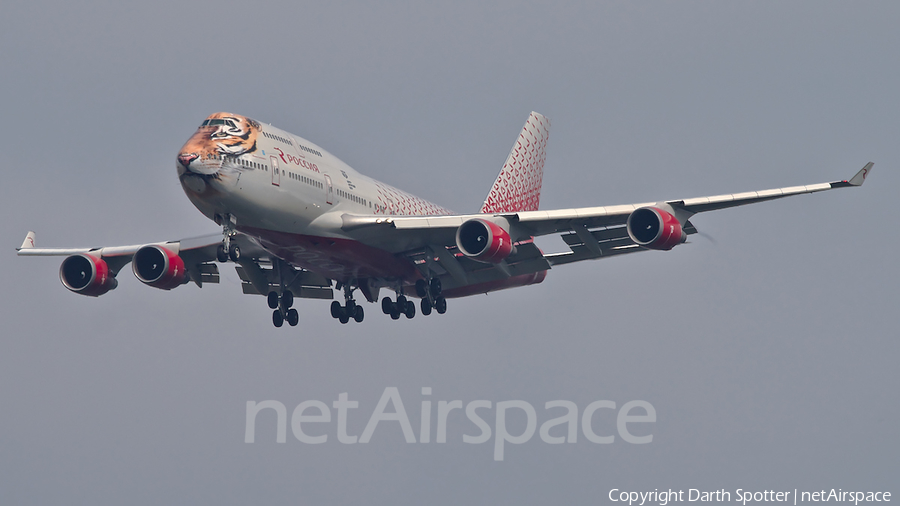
[(86, 275), (655, 229), (158, 267), (484, 241)]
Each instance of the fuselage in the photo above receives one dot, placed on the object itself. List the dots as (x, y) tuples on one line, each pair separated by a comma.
[(289, 194)]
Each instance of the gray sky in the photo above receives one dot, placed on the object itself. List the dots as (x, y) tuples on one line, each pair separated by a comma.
[(765, 345)]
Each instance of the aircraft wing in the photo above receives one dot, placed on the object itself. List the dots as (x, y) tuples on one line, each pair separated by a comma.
[(195, 251), (589, 232), (259, 272)]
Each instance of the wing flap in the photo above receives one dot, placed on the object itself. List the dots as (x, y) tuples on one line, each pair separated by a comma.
[(259, 277), (580, 253), (302, 292)]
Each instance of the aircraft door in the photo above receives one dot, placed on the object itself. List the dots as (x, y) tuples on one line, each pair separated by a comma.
[(329, 190), (276, 172)]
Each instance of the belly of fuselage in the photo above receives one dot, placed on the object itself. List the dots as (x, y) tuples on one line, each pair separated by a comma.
[(334, 257)]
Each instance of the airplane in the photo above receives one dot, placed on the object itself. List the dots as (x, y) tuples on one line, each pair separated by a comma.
[(297, 222)]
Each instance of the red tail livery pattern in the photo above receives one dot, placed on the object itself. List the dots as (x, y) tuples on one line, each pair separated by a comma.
[(398, 202), (518, 187)]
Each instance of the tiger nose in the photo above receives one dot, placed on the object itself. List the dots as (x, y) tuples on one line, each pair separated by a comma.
[(185, 159)]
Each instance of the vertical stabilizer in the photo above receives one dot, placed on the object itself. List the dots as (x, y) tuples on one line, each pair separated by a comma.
[(518, 187)]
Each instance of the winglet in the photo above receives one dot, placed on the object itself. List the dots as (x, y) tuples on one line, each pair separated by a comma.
[(28, 243), (861, 176)]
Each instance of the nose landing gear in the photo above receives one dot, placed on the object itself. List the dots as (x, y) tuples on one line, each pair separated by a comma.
[(228, 251)]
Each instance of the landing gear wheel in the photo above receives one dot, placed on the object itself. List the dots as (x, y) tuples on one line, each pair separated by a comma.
[(287, 298), (344, 318), (440, 305), (401, 302), (421, 288), (410, 310), (277, 318), (350, 308), (386, 305), (359, 314), (272, 299), (395, 312), (234, 253), (435, 287), (293, 317), (336, 309), (426, 306), (221, 254)]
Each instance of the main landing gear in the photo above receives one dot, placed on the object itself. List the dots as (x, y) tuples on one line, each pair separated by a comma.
[(281, 304), (401, 307), (349, 310), (282, 308), (429, 291)]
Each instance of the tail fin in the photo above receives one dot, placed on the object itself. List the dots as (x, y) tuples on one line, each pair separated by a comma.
[(518, 187)]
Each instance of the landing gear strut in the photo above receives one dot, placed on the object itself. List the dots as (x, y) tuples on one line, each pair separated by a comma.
[(228, 251), (280, 304), (350, 309), (430, 293)]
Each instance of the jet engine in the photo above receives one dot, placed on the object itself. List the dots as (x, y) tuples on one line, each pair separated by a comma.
[(655, 229), (86, 275), (484, 241), (158, 267)]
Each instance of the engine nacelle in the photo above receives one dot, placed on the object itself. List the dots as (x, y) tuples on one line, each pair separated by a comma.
[(484, 241), (655, 229), (158, 267), (86, 275)]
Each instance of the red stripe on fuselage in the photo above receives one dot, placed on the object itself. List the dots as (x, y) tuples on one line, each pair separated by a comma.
[(493, 286)]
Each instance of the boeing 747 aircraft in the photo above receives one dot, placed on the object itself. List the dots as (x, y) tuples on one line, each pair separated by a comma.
[(298, 222)]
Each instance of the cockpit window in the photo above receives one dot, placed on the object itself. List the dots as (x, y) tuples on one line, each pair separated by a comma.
[(213, 122)]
